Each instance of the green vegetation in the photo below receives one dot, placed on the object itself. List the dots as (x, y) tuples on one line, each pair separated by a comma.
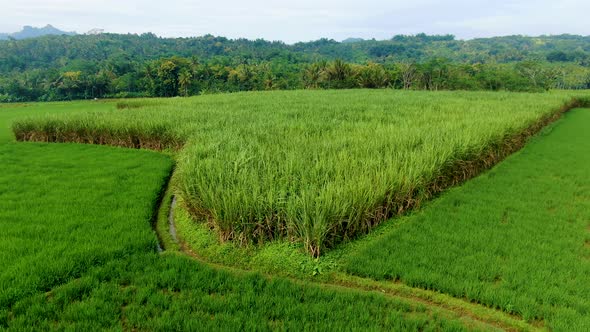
[(319, 167), (515, 238), (87, 66), (68, 208), (78, 253), (10, 112), (169, 292)]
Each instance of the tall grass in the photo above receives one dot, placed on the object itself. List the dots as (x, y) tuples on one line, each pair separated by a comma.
[(314, 166), (78, 254), (93, 129), (516, 238)]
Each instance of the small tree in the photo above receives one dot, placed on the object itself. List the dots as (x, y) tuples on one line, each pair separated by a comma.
[(407, 74), (312, 75)]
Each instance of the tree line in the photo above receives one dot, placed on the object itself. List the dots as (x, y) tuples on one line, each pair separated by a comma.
[(81, 67)]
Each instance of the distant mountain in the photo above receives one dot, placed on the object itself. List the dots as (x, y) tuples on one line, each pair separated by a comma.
[(352, 40), (32, 32)]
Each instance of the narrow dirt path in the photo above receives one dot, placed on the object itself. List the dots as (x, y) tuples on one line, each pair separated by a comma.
[(473, 315)]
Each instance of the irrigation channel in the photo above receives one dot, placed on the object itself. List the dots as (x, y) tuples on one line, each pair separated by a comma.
[(171, 220)]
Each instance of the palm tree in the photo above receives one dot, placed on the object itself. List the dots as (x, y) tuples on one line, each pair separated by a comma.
[(339, 74), (184, 80), (372, 76), (312, 75)]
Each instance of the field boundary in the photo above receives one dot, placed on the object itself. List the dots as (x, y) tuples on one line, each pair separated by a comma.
[(462, 307), (463, 170), (161, 222), (470, 313), (162, 205)]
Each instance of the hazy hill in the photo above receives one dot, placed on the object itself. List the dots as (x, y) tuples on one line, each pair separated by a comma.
[(33, 32), (353, 40)]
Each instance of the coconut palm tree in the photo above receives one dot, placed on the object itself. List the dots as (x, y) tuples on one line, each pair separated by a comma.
[(184, 80)]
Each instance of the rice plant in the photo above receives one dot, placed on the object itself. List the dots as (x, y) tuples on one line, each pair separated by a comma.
[(515, 238), (317, 167)]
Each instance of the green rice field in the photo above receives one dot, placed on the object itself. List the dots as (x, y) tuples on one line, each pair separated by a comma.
[(79, 253), (318, 167), (68, 208), (307, 172), (516, 238)]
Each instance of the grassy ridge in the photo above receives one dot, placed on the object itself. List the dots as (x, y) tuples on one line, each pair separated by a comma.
[(515, 238), (315, 166)]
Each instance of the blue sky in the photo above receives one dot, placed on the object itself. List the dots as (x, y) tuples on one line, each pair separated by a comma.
[(302, 20)]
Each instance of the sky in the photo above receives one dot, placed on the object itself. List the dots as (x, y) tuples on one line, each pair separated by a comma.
[(302, 20)]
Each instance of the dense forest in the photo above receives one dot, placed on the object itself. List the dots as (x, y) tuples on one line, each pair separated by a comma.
[(112, 65)]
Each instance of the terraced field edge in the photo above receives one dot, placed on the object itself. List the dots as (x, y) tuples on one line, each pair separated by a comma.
[(463, 170)]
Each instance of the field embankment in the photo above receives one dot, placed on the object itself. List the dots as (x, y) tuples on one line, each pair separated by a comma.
[(317, 167)]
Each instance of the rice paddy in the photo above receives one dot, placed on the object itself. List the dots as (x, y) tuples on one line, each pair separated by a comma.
[(67, 208), (79, 253), (505, 251), (516, 238), (12, 112), (316, 167)]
